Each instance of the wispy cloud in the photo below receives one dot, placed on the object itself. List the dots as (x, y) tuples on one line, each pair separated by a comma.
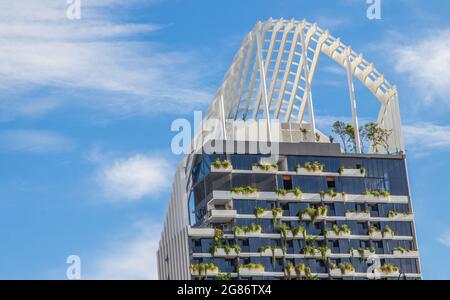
[(41, 48), (423, 138), (426, 63), (34, 141), (129, 257), (133, 178), (445, 239)]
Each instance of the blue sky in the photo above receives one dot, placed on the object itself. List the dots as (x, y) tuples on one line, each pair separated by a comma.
[(86, 107)]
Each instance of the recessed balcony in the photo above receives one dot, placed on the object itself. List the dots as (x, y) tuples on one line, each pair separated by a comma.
[(222, 215)]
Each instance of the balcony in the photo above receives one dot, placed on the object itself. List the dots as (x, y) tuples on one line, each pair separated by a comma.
[(201, 232), (220, 252), (277, 252), (352, 172), (334, 236), (251, 270), (221, 215), (357, 215), (405, 253)]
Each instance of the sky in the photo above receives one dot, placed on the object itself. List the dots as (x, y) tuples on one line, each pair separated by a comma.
[(86, 107)]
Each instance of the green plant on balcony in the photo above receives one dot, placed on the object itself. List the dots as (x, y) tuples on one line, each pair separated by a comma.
[(202, 268), (218, 164), (299, 229), (312, 251), (307, 166), (236, 248), (262, 249), (341, 170), (218, 235), (336, 229), (318, 167), (362, 171), (389, 269), (331, 193), (314, 167), (377, 194), (259, 211), (346, 267), (277, 212), (252, 266), (345, 229), (373, 230), (362, 252), (266, 166), (214, 249), (388, 230), (393, 213), (314, 213), (400, 249), (281, 192), (245, 190), (297, 192), (227, 249), (284, 229), (247, 229), (301, 269), (288, 270), (223, 276), (323, 251)]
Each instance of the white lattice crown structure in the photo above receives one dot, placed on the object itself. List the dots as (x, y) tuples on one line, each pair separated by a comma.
[(272, 73)]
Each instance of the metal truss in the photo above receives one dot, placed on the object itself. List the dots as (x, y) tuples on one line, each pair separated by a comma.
[(272, 73)]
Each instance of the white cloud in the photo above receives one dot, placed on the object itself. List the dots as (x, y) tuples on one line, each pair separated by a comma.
[(129, 257), (34, 141), (133, 178), (330, 23), (41, 48), (422, 138), (445, 239), (426, 63)]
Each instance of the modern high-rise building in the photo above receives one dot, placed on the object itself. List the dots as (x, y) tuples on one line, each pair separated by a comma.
[(280, 199)]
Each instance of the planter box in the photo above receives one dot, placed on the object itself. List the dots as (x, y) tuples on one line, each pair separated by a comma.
[(268, 252), (333, 235), (402, 217), (289, 197), (235, 195), (338, 197), (220, 252), (338, 273), (250, 272), (214, 272), (269, 214), (307, 217), (317, 254), (393, 274), (356, 253), (406, 253), (388, 236), (270, 170), (249, 234), (357, 215), (352, 172), (376, 235), (222, 214), (303, 171), (221, 169)]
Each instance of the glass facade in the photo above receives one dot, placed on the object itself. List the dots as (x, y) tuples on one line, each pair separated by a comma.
[(338, 225)]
